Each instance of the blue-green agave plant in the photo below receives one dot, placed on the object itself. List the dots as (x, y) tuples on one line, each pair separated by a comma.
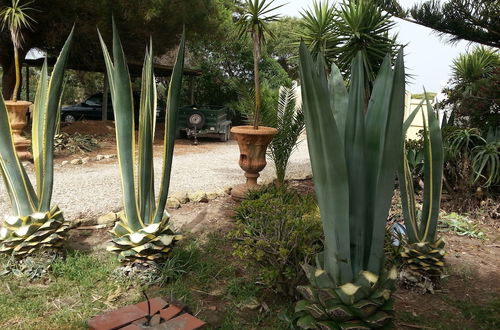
[(36, 224), (143, 232), (354, 154)]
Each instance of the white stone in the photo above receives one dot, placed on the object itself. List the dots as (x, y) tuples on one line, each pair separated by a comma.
[(199, 197), (173, 203)]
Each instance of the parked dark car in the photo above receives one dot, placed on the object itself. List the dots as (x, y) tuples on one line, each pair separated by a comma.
[(91, 109), (205, 121)]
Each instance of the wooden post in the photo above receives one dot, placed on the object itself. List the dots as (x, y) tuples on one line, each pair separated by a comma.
[(105, 98)]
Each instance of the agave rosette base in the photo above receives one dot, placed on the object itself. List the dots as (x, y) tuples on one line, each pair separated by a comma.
[(152, 242), (425, 256), (364, 304), (22, 235)]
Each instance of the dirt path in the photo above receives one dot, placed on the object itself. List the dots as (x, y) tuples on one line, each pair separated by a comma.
[(94, 189)]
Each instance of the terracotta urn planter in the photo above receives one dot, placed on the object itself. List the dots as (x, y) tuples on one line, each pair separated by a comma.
[(253, 145), (17, 117)]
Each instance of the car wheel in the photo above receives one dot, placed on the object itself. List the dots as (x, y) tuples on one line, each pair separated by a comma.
[(69, 119)]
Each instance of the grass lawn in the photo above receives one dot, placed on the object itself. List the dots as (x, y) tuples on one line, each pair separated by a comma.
[(225, 290)]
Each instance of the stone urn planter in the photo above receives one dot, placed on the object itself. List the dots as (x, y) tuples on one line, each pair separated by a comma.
[(17, 117), (253, 145)]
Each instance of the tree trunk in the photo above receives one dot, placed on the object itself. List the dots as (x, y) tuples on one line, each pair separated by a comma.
[(9, 72), (18, 75), (8, 79), (256, 60)]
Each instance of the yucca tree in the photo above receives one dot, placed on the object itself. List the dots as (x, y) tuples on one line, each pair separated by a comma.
[(362, 26), (339, 33), (354, 156), (15, 18), (319, 26), (423, 252), (254, 20), (480, 63), (36, 224), (143, 232)]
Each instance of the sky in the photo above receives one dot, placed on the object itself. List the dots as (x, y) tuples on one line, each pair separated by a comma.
[(428, 58)]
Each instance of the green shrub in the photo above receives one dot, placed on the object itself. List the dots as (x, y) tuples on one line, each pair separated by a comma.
[(280, 230)]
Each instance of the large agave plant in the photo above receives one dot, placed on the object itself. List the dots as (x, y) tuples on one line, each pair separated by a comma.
[(35, 223), (143, 232), (354, 155), (423, 252)]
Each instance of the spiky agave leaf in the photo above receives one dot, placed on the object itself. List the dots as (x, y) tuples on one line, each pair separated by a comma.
[(363, 304), (152, 242), (36, 225), (22, 235), (354, 176), (143, 232)]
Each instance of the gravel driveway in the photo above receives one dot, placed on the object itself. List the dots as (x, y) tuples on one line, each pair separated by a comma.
[(94, 189)]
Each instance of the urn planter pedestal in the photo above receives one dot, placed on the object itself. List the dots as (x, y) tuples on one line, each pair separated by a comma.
[(17, 117), (253, 145)]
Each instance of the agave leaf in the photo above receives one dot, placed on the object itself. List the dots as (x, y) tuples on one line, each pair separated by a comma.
[(147, 122), (387, 171), (406, 184), (123, 107), (16, 182), (330, 173), (433, 174), (339, 99), (376, 122), (356, 166), (47, 113), (173, 100)]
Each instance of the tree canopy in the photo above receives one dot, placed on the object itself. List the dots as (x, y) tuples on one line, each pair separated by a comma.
[(471, 20), (163, 20)]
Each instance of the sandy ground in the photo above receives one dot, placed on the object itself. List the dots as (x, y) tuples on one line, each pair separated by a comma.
[(94, 189)]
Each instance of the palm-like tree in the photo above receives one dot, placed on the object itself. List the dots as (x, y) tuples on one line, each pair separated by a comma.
[(319, 29), (362, 26), (468, 68), (340, 33), (254, 20), (15, 18)]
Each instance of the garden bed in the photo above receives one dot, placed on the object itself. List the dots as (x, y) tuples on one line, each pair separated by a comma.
[(225, 291)]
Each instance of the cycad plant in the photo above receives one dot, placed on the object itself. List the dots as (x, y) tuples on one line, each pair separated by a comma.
[(36, 224), (423, 252), (143, 232), (354, 157), (289, 120)]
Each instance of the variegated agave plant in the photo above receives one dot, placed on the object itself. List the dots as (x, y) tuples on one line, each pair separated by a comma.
[(36, 224), (143, 232), (423, 251), (354, 155)]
